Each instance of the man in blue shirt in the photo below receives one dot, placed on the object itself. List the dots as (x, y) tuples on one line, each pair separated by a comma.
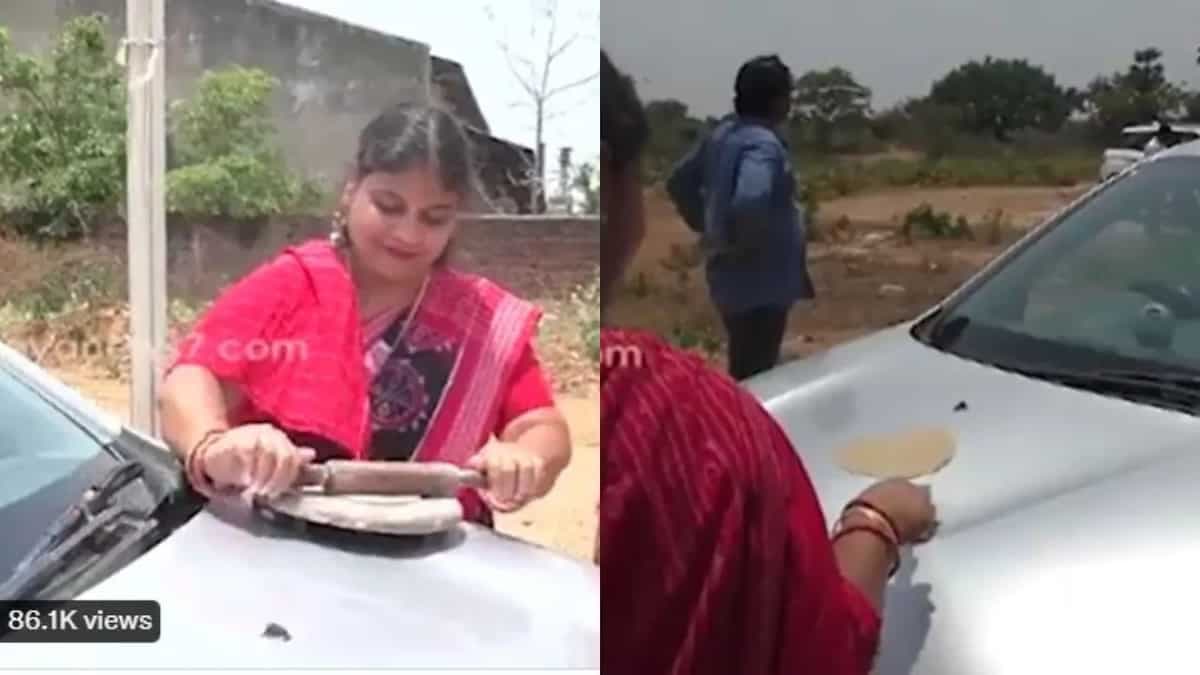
[(737, 190)]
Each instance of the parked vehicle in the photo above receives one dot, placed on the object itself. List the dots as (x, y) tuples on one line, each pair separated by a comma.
[(1134, 140), (237, 590), (1068, 371)]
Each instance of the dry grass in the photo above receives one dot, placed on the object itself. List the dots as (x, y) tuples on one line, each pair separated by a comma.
[(569, 338), (1028, 205)]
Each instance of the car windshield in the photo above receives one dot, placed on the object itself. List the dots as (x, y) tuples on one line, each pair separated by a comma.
[(1113, 285), (46, 463)]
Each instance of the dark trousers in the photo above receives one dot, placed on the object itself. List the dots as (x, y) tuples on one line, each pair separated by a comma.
[(755, 337)]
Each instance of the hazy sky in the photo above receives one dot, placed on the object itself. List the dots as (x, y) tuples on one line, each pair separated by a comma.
[(690, 49), (461, 31)]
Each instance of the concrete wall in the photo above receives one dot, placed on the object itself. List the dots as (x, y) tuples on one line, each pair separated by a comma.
[(334, 77)]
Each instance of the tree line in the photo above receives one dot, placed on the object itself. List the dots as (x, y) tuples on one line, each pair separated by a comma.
[(978, 107)]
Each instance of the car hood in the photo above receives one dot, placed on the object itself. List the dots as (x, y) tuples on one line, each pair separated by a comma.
[(1056, 511), (470, 599)]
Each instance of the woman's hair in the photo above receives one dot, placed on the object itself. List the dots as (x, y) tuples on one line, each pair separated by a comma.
[(760, 83), (406, 136), (624, 130)]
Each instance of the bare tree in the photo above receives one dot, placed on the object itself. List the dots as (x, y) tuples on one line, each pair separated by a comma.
[(535, 76)]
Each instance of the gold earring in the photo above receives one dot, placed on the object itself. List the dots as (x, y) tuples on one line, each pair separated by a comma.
[(337, 235)]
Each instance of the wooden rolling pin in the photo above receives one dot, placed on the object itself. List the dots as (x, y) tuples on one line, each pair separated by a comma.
[(425, 479)]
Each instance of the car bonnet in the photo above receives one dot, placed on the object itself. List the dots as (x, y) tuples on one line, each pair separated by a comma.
[(236, 591)]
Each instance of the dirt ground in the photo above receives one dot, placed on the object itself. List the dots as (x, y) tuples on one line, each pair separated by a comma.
[(867, 275), (565, 520)]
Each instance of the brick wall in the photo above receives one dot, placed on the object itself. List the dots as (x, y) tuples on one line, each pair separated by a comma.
[(535, 256)]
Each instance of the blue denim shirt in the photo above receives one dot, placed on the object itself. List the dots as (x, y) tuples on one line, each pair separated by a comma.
[(737, 188)]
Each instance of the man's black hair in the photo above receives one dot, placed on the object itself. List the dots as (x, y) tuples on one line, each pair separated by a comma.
[(624, 130), (760, 83)]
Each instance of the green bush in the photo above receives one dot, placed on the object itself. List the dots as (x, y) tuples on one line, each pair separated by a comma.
[(585, 306), (62, 141), (239, 186), (924, 221), (62, 134), (229, 163), (228, 115)]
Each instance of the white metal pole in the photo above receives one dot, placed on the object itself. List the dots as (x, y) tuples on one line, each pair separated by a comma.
[(158, 203), (145, 194)]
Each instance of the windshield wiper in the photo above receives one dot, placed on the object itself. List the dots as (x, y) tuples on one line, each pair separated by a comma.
[(1178, 379), (96, 513), (1177, 392)]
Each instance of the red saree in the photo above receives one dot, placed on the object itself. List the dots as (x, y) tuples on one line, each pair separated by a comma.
[(714, 552), (289, 335)]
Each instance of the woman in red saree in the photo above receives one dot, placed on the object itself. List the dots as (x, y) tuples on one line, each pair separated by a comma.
[(713, 549), (368, 346)]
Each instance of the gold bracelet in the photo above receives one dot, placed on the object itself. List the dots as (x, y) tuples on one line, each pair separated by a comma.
[(841, 530)]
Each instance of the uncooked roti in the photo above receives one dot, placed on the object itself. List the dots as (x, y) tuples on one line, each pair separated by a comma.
[(908, 454), (372, 513)]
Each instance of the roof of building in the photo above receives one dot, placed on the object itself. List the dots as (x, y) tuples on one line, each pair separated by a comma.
[(453, 89), (450, 84), (284, 9)]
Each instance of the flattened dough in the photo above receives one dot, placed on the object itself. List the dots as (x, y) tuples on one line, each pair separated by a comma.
[(908, 454)]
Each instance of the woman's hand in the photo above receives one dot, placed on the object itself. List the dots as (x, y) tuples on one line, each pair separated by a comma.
[(515, 475), (258, 458), (908, 505)]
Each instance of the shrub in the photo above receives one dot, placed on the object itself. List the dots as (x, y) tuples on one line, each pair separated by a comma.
[(62, 141), (229, 163), (924, 221), (239, 186), (994, 228), (585, 305), (62, 137), (82, 284)]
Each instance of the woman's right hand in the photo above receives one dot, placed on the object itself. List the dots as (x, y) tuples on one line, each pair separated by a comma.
[(908, 505), (257, 458)]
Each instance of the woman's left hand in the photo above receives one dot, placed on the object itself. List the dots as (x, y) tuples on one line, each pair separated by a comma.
[(515, 475)]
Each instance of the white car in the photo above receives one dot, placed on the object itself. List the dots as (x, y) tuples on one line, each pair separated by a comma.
[(236, 590), (1134, 139), (1068, 373)]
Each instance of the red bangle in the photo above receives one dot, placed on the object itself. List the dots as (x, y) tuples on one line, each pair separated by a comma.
[(892, 547)]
